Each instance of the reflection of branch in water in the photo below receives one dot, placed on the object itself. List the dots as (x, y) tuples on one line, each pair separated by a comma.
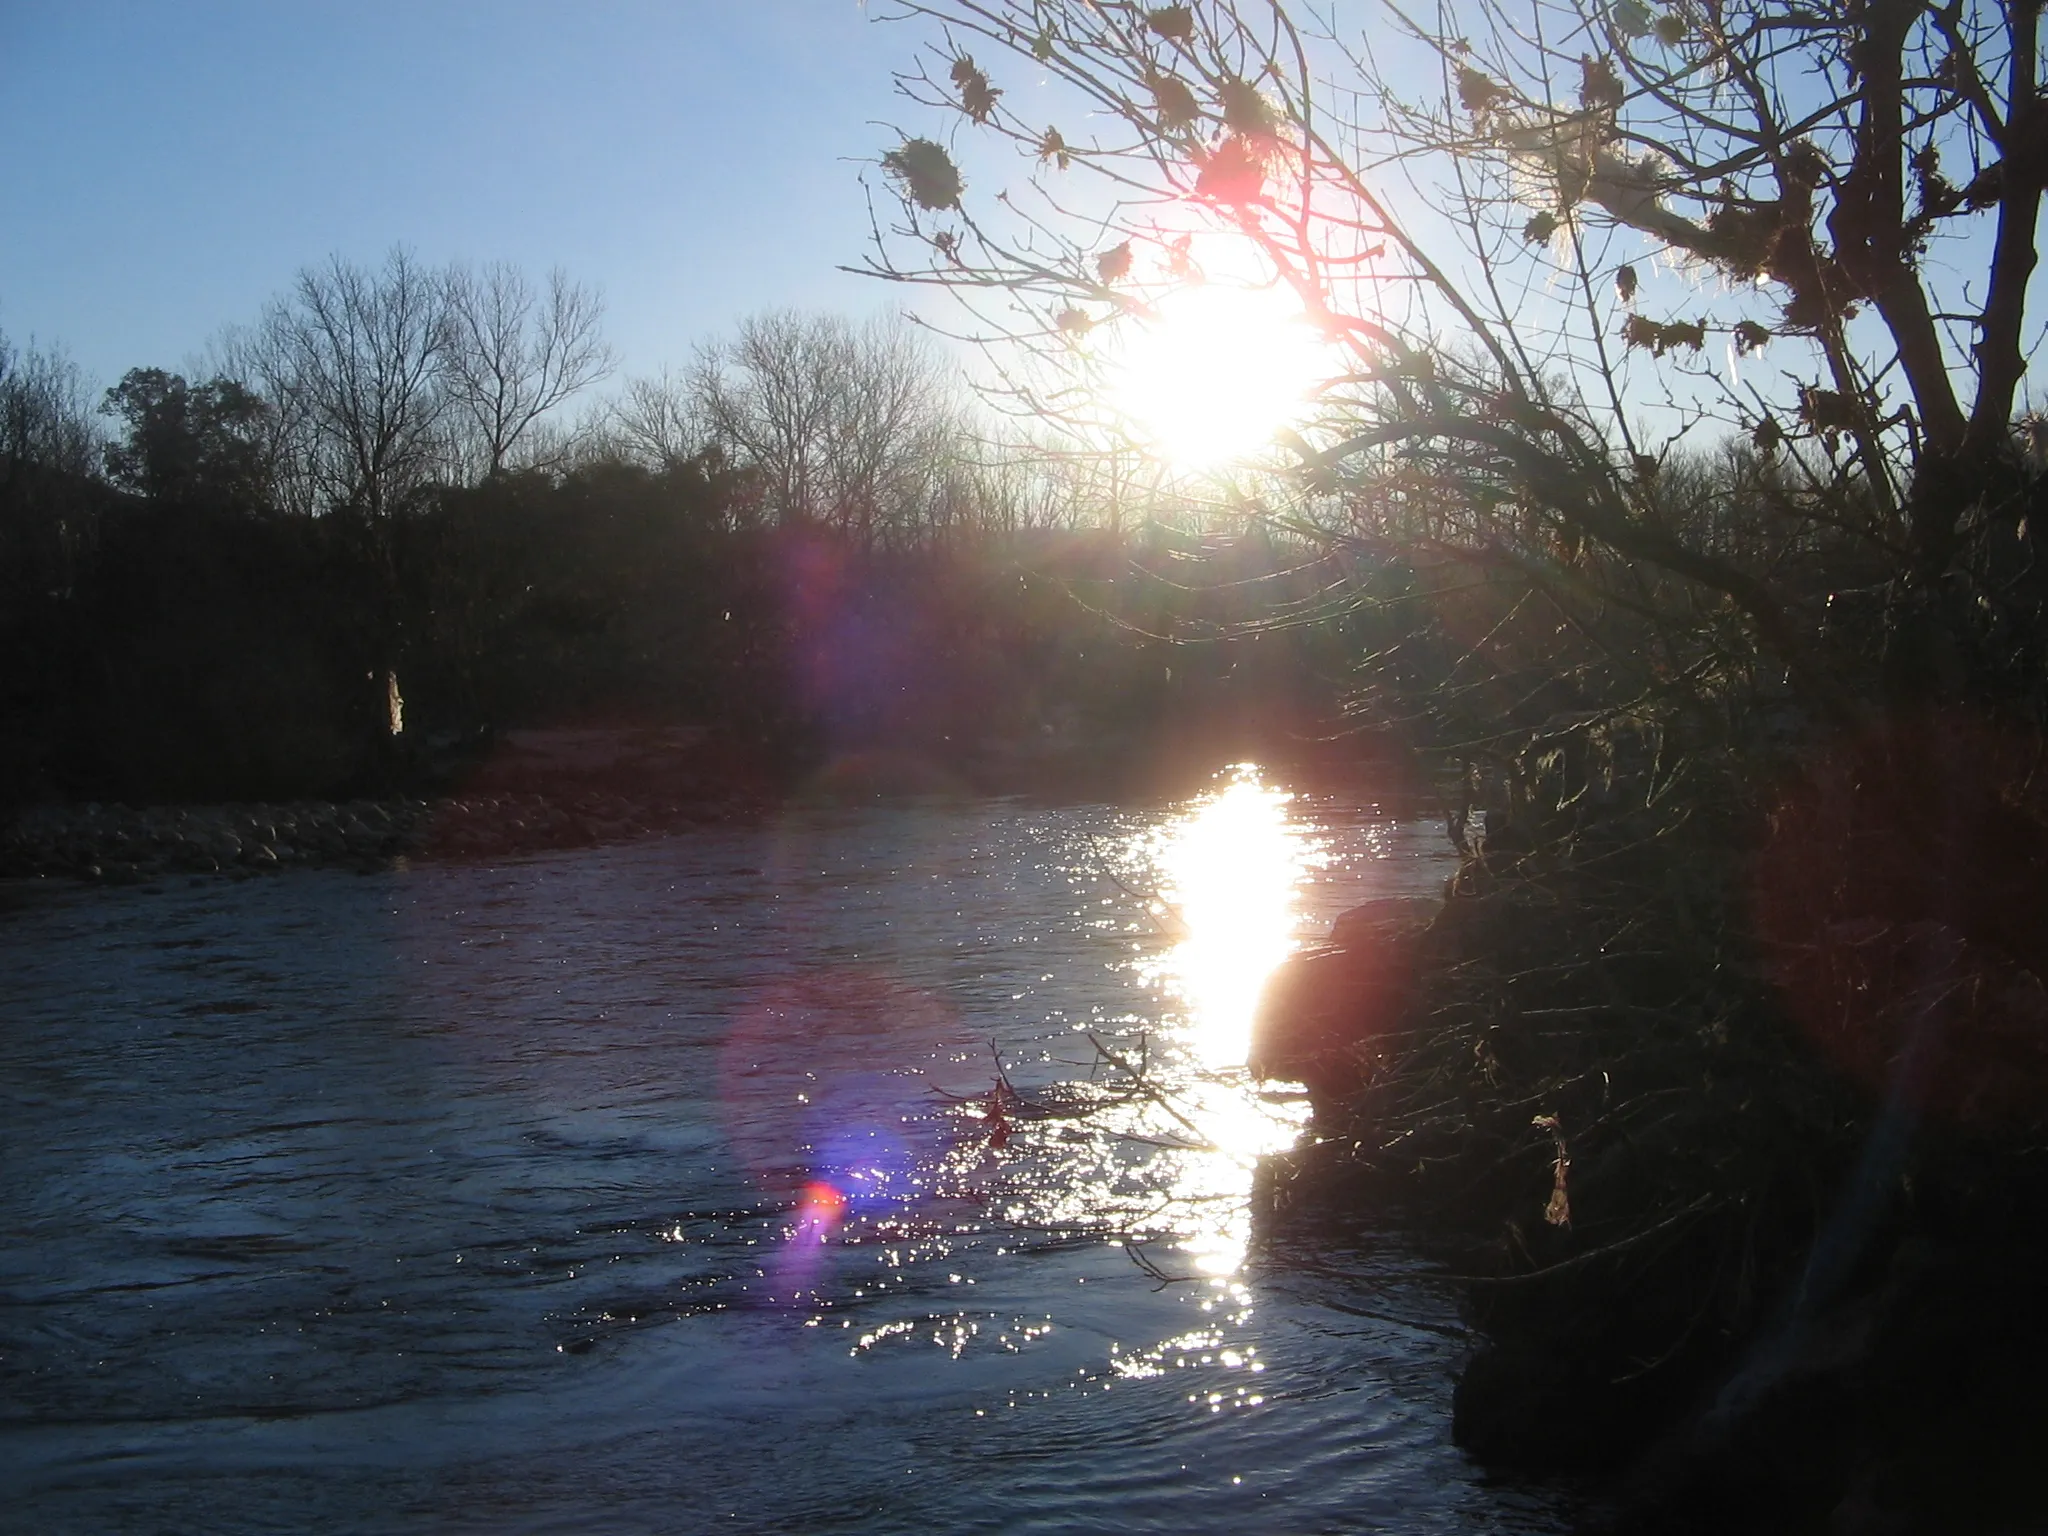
[(1144, 1086), (1134, 1250), (1174, 924), (1077, 1101), (1056, 1101), (1127, 1225)]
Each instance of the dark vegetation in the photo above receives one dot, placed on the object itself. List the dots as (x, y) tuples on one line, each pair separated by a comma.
[(188, 621), (1682, 427)]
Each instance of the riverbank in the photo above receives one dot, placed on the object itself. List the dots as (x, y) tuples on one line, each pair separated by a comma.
[(128, 845), (1743, 1181)]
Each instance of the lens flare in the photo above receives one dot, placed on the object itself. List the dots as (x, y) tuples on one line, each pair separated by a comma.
[(819, 1210)]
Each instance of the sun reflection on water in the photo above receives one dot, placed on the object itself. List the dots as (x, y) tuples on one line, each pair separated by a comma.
[(1230, 868), (1231, 865), (1157, 1146)]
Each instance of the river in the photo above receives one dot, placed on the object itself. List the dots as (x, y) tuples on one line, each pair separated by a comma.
[(669, 1187)]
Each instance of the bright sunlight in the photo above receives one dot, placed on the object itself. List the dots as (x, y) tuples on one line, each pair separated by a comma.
[(1231, 869), (1215, 372)]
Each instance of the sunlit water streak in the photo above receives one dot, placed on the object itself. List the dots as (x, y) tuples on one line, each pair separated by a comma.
[(615, 1190)]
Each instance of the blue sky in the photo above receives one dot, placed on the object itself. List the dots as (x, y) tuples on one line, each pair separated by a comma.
[(169, 166)]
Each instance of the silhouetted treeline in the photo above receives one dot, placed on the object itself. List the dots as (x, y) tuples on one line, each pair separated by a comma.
[(197, 648), (370, 542)]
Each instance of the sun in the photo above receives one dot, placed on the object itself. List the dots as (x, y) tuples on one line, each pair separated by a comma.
[(1214, 372)]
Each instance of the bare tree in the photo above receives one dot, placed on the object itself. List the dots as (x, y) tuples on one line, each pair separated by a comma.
[(655, 422), (514, 356), (257, 357), (1558, 248), (355, 361), (50, 449), (46, 418), (847, 425)]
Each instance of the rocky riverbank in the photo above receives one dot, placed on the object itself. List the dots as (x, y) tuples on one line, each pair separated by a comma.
[(1717, 1263), (120, 844)]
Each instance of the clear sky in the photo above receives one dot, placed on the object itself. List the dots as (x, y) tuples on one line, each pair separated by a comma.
[(170, 164)]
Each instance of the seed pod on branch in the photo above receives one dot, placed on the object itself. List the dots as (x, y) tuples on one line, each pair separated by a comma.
[(1477, 91), (1234, 173), (927, 173), (1245, 108), (1175, 23), (1659, 337), (1630, 19), (1599, 86), (1175, 103)]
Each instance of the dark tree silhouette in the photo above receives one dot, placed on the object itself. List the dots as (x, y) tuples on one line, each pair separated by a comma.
[(206, 443)]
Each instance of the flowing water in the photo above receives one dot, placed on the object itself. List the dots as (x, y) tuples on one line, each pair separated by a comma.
[(670, 1187)]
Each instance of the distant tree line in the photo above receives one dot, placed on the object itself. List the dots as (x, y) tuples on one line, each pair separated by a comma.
[(393, 518)]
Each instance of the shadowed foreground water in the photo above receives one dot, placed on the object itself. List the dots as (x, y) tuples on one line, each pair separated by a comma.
[(620, 1190)]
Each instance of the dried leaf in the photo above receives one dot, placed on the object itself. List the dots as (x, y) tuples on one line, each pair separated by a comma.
[(1054, 148), (1175, 23), (1640, 331), (1599, 85), (1670, 29), (1749, 337), (1179, 256), (1114, 263), (927, 173), (1245, 110), (1234, 173), (1680, 334), (1767, 435), (1074, 322), (1175, 102), (1540, 228), (1825, 410), (977, 96), (1559, 1211), (1630, 19), (1805, 165), (1041, 46), (1477, 91), (1625, 283)]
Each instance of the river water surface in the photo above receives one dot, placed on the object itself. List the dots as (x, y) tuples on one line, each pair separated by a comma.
[(672, 1187)]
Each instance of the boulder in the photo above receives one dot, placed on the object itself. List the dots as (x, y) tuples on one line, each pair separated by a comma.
[(1321, 1005)]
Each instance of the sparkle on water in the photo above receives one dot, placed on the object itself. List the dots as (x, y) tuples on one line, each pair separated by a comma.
[(1231, 864), (1177, 1165)]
